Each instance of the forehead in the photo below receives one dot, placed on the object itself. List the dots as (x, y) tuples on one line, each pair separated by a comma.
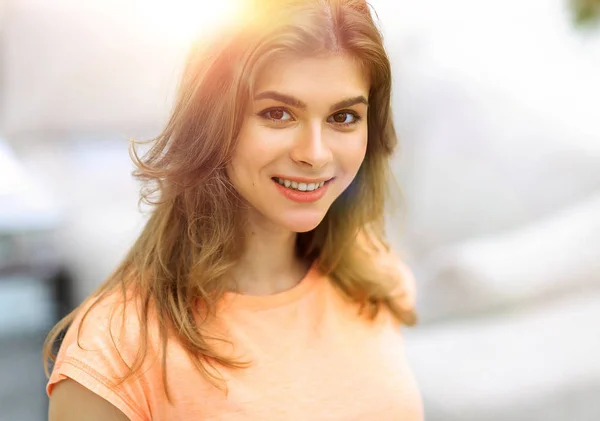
[(314, 79)]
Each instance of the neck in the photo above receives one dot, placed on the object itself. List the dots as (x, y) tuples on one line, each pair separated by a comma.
[(269, 264)]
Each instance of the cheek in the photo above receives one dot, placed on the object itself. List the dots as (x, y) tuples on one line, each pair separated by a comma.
[(256, 148), (258, 144), (352, 153), (242, 158)]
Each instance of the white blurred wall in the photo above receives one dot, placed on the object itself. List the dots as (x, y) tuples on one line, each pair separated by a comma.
[(72, 66)]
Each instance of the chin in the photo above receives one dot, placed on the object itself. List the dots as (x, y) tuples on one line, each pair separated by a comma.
[(304, 223)]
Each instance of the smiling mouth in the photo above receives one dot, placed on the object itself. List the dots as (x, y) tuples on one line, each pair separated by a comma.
[(301, 187)]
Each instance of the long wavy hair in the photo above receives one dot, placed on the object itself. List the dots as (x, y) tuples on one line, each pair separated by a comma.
[(192, 238)]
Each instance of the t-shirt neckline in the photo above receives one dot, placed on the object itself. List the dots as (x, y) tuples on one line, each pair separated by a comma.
[(258, 302)]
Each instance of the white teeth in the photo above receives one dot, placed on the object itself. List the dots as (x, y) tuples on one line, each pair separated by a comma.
[(300, 186)]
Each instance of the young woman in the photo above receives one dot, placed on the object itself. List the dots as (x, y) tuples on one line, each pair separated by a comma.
[(261, 287)]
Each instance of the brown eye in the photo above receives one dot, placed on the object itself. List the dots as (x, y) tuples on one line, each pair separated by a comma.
[(340, 117), (276, 114), (344, 118)]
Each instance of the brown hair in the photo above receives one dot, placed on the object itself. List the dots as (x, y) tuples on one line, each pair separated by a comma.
[(191, 239)]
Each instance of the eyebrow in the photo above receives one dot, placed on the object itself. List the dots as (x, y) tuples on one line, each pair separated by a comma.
[(296, 103)]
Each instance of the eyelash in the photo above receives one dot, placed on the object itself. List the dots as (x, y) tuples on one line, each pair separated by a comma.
[(264, 114)]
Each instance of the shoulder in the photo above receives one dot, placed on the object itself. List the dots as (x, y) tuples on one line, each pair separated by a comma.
[(107, 322), (404, 288), (100, 348), (389, 261), (406, 284)]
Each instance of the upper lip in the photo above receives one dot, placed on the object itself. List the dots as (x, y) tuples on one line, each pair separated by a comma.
[(303, 179)]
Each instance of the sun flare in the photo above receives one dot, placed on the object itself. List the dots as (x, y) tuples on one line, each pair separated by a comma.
[(183, 19)]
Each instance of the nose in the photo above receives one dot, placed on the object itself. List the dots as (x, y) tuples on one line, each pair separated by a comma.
[(310, 147)]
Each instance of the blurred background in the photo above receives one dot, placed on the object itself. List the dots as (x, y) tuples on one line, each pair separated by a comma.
[(497, 105)]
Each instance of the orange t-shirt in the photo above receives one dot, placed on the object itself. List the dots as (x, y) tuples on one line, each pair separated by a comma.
[(312, 357)]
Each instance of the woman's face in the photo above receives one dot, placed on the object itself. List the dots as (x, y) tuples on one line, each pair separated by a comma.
[(303, 139)]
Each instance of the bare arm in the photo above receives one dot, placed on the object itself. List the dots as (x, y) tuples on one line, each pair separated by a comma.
[(70, 401)]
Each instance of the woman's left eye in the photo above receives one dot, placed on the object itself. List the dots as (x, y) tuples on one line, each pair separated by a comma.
[(344, 118), (278, 115)]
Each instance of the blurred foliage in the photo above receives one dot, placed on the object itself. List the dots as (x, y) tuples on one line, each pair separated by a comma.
[(585, 12)]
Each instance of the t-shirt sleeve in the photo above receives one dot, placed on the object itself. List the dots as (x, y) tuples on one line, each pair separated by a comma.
[(98, 357)]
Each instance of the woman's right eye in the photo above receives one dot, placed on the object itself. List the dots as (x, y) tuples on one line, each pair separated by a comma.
[(278, 115)]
